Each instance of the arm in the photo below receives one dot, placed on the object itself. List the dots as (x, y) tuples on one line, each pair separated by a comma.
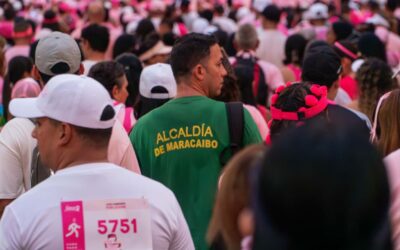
[(3, 204), (15, 157), (10, 233)]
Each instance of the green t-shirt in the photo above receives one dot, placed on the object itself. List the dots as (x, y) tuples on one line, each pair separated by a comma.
[(179, 144)]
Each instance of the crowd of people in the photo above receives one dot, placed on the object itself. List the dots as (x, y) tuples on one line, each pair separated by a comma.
[(200, 124)]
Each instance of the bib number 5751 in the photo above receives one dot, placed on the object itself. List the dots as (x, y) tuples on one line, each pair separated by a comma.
[(124, 225)]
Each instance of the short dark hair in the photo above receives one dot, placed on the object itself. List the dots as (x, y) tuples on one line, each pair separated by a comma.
[(189, 51), (91, 136), (94, 137), (272, 13), (108, 74), (98, 37), (321, 65), (60, 68)]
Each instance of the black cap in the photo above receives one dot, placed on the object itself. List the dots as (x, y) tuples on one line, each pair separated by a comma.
[(321, 65)]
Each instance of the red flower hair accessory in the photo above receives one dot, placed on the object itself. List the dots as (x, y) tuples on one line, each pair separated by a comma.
[(314, 106)]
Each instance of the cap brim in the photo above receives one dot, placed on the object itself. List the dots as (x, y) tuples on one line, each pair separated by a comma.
[(25, 107)]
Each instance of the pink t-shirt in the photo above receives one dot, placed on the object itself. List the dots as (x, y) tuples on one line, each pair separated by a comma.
[(259, 120), (349, 84), (296, 71), (392, 42), (120, 149), (392, 162), (6, 29), (17, 50)]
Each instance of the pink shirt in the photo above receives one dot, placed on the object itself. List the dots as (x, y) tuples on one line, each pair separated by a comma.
[(392, 42), (120, 149), (6, 29), (392, 162), (349, 84), (259, 120), (17, 50)]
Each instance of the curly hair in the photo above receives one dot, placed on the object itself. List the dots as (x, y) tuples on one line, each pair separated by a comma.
[(374, 79), (290, 99)]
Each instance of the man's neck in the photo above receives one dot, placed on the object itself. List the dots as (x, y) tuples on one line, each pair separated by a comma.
[(95, 56), (75, 157), (187, 89)]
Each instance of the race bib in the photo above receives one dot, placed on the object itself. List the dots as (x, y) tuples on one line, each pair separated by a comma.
[(106, 224)]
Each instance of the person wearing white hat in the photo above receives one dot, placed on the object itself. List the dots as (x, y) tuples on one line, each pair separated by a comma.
[(157, 86), (119, 203), (55, 54)]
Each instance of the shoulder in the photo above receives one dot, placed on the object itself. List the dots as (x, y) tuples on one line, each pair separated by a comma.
[(343, 115), (17, 128)]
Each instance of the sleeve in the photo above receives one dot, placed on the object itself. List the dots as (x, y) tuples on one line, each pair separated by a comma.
[(274, 77), (251, 134), (11, 167), (120, 150), (259, 120), (10, 233), (182, 240), (135, 141), (130, 161)]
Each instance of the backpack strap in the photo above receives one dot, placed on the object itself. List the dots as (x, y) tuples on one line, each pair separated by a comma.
[(236, 125), (235, 115)]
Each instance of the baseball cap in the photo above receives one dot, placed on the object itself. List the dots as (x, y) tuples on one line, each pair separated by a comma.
[(77, 100), (155, 76), (158, 49), (321, 65), (26, 87), (57, 48), (317, 11)]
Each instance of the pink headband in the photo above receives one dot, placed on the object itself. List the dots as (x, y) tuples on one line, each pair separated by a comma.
[(52, 20), (315, 106), (346, 51), (22, 34)]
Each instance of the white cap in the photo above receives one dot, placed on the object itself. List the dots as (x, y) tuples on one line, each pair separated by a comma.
[(378, 20), (157, 75), (158, 49), (199, 25), (77, 100), (317, 11), (260, 5), (57, 48)]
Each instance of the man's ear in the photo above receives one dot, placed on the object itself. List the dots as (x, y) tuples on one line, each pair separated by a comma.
[(115, 91), (65, 133), (198, 72), (36, 75)]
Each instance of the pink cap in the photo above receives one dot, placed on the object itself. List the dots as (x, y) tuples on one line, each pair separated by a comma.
[(25, 88)]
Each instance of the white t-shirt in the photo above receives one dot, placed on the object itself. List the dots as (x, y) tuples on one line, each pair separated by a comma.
[(16, 147), (87, 65), (272, 47), (34, 220)]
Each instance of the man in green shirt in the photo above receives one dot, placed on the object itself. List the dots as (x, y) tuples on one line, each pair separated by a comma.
[(180, 144)]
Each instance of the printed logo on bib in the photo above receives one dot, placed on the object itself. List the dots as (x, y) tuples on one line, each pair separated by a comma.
[(188, 137), (106, 224)]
